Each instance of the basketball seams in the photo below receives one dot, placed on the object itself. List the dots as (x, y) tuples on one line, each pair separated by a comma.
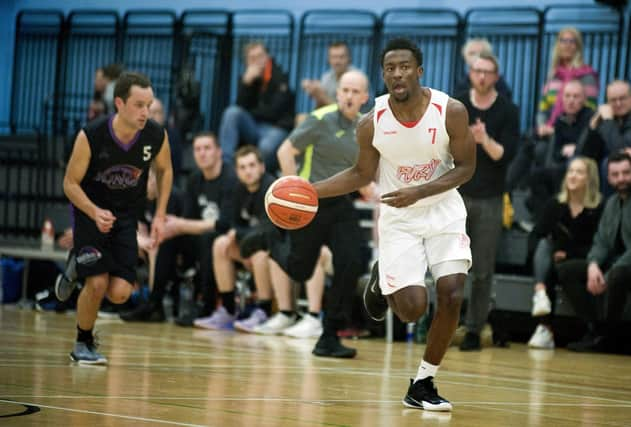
[(273, 200)]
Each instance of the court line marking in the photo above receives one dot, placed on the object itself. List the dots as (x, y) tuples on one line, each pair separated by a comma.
[(280, 399), (553, 417), (346, 371), (234, 347), (153, 420), (84, 411)]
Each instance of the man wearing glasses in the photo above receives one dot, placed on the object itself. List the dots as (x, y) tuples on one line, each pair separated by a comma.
[(610, 127), (494, 123)]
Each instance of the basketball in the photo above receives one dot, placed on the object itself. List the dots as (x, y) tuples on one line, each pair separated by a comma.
[(291, 202)]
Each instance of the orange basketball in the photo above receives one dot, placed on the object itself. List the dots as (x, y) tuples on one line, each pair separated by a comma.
[(291, 202)]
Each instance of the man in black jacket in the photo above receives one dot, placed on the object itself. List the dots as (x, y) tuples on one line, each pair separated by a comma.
[(494, 123), (569, 129), (264, 112)]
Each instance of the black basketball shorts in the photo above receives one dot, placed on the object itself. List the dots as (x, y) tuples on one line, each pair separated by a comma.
[(115, 252)]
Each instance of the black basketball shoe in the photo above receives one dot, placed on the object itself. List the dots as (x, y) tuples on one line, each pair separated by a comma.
[(422, 394), (330, 346), (374, 302), (145, 312)]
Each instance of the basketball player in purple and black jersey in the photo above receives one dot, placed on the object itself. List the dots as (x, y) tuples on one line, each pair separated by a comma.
[(417, 142), (106, 182)]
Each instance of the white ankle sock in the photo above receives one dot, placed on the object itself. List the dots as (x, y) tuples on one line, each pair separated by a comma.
[(426, 370)]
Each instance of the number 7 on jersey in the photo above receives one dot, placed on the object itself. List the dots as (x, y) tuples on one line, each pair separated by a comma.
[(433, 132)]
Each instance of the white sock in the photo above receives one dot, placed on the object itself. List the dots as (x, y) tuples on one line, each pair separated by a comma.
[(426, 370)]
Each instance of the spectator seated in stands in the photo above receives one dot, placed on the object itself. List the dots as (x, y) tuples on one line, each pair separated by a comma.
[(156, 112), (264, 112), (566, 64), (323, 91), (565, 228), (610, 127), (470, 51), (208, 208), (97, 103), (569, 128), (111, 73), (607, 266), (249, 221)]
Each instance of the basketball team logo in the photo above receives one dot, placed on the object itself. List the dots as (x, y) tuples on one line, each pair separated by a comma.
[(88, 255), (119, 177), (424, 171)]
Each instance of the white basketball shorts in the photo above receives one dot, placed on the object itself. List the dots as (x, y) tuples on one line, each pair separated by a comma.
[(414, 239)]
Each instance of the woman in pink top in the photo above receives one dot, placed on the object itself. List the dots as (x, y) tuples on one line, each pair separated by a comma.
[(566, 64)]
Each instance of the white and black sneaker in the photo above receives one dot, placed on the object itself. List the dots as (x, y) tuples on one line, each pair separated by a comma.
[(422, 394), (375, 303), (67, 281)]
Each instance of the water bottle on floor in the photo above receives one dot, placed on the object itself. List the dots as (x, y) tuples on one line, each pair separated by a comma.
[(186, 304), (409, 332)]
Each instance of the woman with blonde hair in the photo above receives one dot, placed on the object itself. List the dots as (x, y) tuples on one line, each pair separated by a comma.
[(565, 229), (566, 64)]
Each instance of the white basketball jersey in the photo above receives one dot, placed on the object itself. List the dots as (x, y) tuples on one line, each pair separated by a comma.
[(412, 154)]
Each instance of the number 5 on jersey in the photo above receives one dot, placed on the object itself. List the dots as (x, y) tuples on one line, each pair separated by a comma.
[(146, 152)]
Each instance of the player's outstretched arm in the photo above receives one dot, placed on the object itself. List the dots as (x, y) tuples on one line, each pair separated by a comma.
[(362, 173)]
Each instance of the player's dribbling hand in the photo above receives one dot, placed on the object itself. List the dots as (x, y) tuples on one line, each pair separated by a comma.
[(104, 220), (401, 198)]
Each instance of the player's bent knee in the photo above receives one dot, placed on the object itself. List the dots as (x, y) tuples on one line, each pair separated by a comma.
[(409, 309), (119, 291), (221, 244), (455, 298), (119, 296), (410, 313), (451, 296)]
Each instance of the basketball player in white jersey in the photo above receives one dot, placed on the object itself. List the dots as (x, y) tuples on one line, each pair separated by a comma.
[(417, 142)]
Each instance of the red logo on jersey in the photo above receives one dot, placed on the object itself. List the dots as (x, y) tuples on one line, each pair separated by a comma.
[(390, 132), (425, 171)]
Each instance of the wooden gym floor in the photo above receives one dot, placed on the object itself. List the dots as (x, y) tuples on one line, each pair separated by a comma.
[(161, 374)]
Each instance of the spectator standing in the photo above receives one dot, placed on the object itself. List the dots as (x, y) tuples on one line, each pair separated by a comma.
[(494, 123)]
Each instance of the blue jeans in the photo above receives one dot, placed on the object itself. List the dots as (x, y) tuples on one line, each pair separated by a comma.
[(542, 261), (238, 125)]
